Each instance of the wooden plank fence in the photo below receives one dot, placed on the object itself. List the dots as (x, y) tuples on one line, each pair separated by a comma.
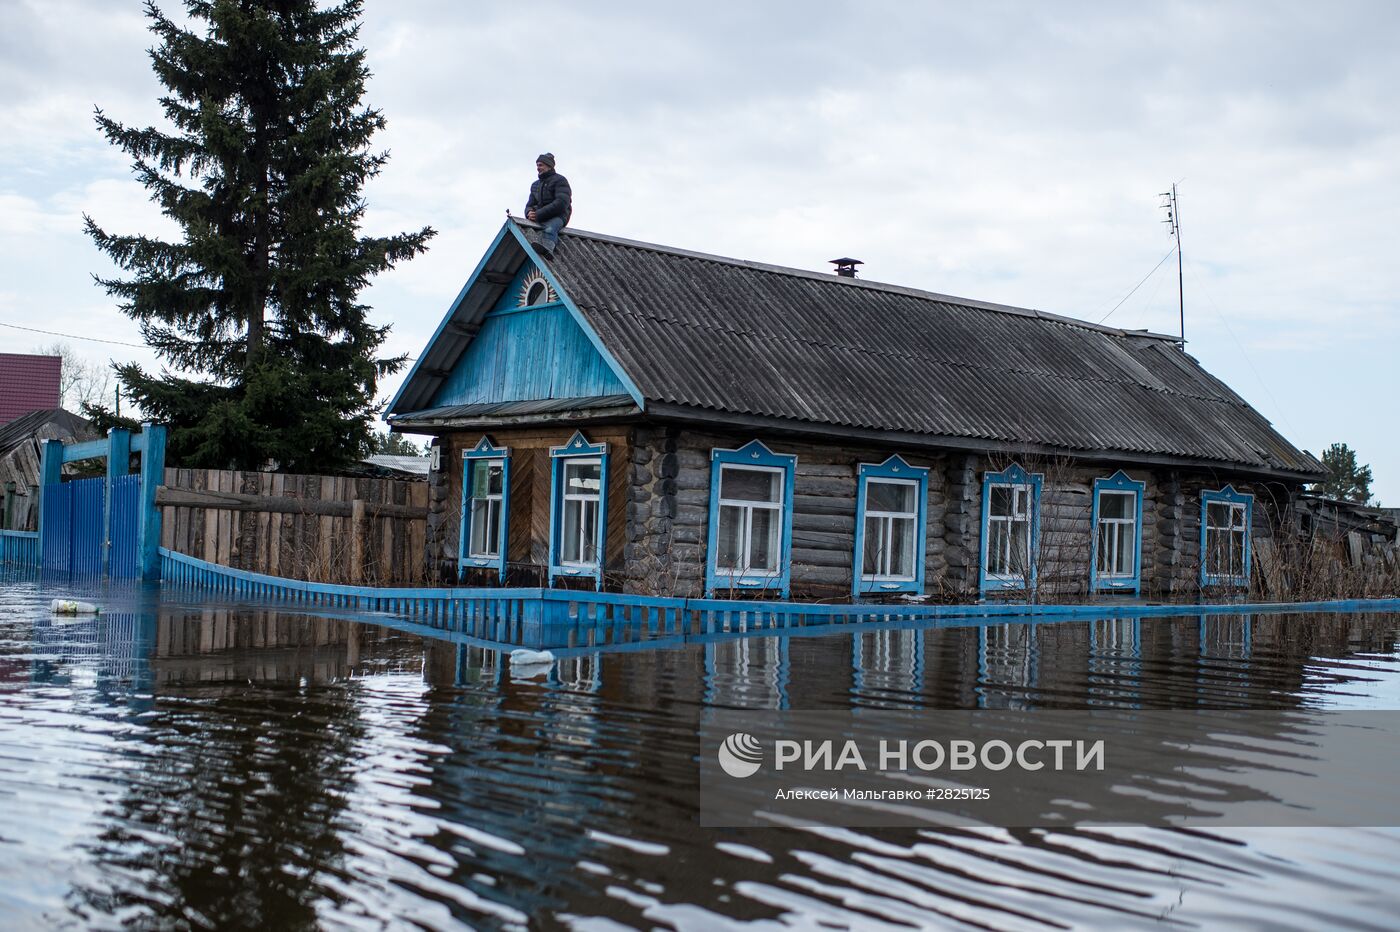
[(330, 529)]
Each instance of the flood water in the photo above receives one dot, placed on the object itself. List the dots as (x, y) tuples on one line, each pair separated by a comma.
[(180, 765)]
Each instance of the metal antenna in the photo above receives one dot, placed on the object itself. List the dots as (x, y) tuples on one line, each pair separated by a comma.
[(1173, 221)]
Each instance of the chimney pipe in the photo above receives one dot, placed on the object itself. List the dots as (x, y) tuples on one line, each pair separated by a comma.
[(846, 267)]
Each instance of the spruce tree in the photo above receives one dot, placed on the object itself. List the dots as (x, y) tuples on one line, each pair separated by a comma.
[(256, 309), (1346, 478)]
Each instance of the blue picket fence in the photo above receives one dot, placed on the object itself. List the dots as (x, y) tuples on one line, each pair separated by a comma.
[(19, 548), (555, 618), (509, 615), (538, 618)]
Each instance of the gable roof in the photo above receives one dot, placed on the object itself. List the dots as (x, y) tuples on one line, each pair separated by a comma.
[(706, 336), (46, 424)]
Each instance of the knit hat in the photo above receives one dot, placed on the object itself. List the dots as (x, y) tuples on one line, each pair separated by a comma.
[(547, 158)]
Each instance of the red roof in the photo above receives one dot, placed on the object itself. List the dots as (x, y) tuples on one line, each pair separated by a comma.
[(28, 383)]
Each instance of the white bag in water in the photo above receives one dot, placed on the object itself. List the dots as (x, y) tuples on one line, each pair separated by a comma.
[(73, 607), (530, 658)]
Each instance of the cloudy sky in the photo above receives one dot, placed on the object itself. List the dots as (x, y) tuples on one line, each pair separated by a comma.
[(1011, 152)]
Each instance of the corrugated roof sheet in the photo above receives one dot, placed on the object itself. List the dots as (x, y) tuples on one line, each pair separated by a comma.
[(731, 336), (510, 409), (28, 383), (47, 424), (412, 465)]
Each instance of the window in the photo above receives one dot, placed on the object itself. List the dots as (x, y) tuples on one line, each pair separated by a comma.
[(1117, 534), (583, 489), (1010, 515), (1009, 530), (485, 507), (891, 501), (750, 519), (578, 509), (1225, 526), (1117, 544), (890, 520), (487, 493), (535, 290)]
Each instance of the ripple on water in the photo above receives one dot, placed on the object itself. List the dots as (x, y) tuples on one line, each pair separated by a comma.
[(218, 766)]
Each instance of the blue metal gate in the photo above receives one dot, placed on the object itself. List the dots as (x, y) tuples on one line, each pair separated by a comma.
[(74, 514), (89, 532), (56, 512), (124, 562), (111, 525)]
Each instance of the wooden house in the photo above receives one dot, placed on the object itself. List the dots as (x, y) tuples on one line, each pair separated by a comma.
[(21, 445), (638, 418)]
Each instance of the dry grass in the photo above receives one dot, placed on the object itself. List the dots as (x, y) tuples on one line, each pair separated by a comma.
[(1298, 568)]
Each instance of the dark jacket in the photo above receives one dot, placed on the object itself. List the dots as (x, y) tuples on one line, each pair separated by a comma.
[(550, 197)]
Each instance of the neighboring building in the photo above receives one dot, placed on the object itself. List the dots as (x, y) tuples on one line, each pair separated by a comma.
[(646, 419), (1369, 534), (28, 383), (394, 466), (21, 452)]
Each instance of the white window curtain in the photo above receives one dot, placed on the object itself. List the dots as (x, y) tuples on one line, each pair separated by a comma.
[(891, 525), (750, 520), (582, 490)]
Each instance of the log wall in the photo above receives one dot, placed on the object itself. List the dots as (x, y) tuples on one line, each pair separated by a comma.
[(527, 550), (659, 506), (670, 509)]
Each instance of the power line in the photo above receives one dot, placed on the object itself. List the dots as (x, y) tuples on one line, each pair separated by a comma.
[(1150, 305), (1282, 412), (72, 336), (1139, 284)]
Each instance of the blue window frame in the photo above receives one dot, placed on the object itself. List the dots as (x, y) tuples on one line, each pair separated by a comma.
[(1115, 559), (1010, 530), (891, 508), (578, 509), (1226, 526), (485, 518), (750, 536)]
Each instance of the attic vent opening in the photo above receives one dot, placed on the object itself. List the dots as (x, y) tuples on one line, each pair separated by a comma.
[(846, 267), (535, 290)]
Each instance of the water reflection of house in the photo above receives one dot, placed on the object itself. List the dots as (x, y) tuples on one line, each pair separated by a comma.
[(640, 418), (749, 673), (889, 667), (1007, 665)]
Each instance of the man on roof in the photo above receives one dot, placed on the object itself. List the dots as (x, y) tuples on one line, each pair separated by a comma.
[(550, 204)]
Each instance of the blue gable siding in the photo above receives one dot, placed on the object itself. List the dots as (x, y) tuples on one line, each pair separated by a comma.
[(528, 354)]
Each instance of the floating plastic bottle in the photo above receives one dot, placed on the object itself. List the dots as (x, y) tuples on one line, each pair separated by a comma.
[(73, 607)]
